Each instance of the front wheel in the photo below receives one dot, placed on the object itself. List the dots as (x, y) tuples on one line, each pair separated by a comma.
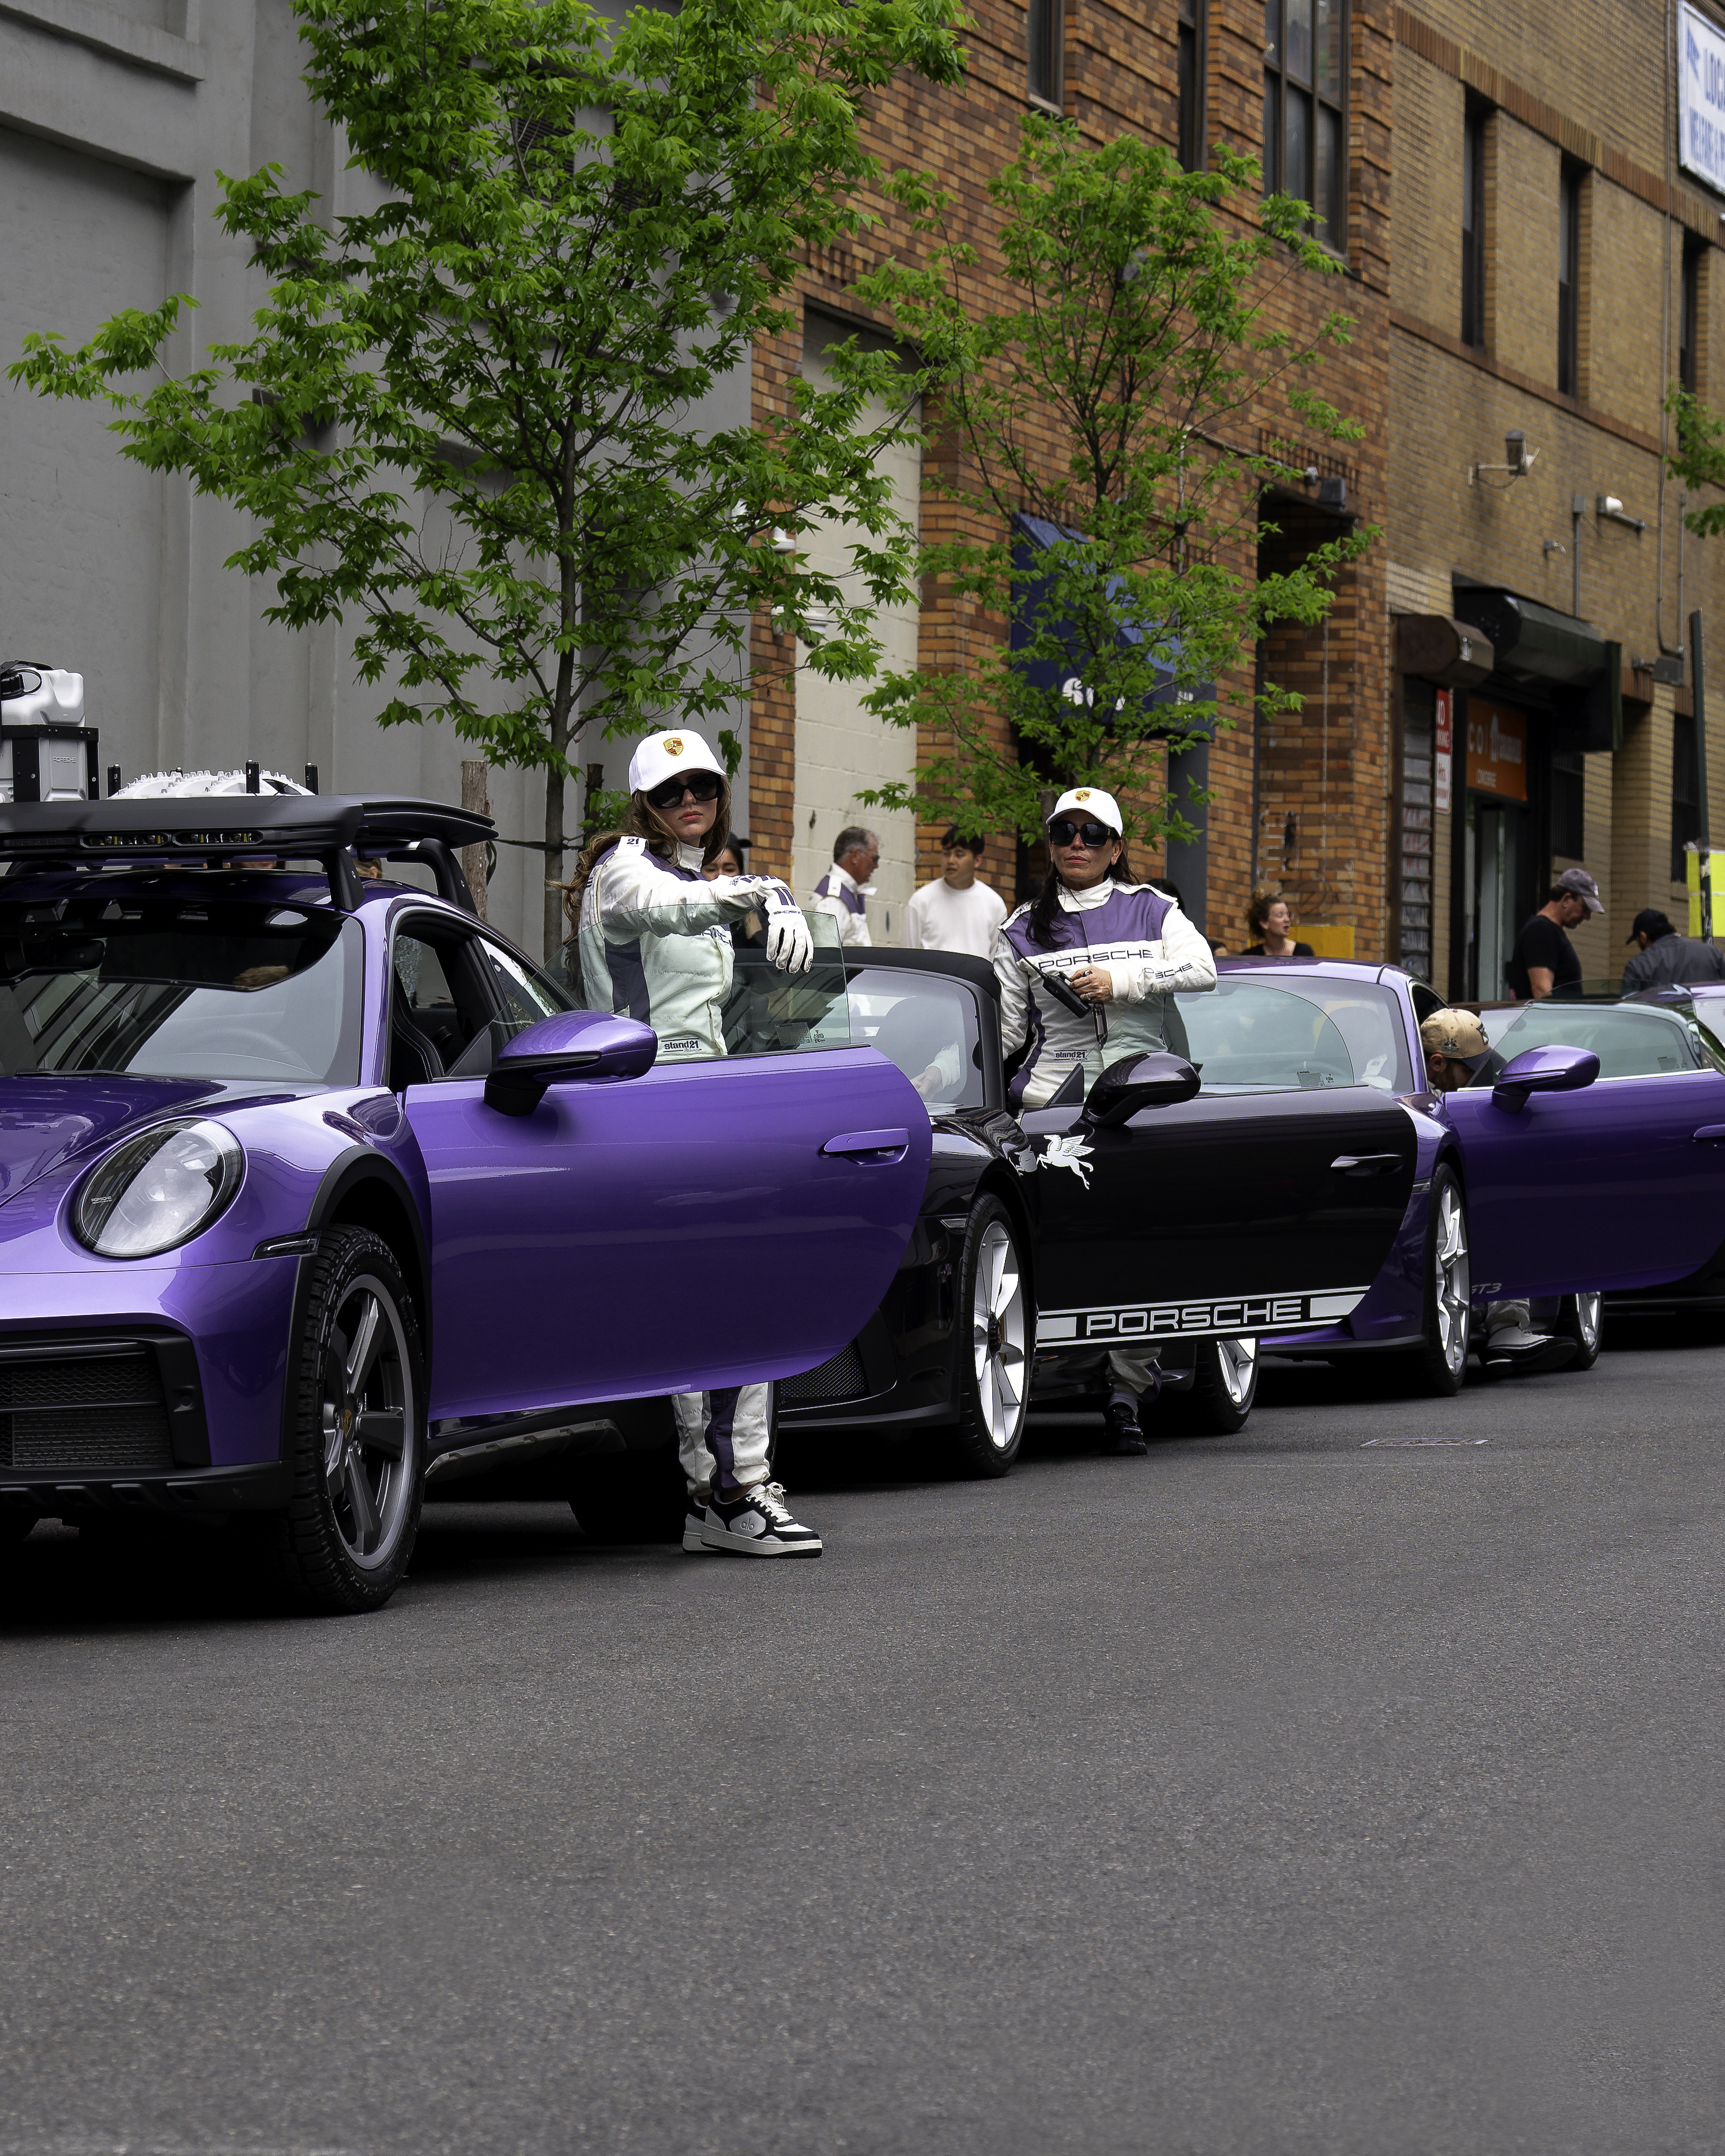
[(1579, 1320), (994, 1327), (356, 1383), (1439, 1366)]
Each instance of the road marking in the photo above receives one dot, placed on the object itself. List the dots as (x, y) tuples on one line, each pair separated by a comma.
[(1371, 1441)]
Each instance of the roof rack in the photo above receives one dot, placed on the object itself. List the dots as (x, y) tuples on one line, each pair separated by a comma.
[(239, 827)]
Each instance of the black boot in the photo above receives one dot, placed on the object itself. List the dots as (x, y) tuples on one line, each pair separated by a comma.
[(1121, 1437)]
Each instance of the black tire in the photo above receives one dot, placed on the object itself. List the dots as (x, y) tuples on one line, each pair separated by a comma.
[(356, 1393), (995, 1323), (1438, 1367), (1224, 1384), (1581, 1318), (16, 1521)]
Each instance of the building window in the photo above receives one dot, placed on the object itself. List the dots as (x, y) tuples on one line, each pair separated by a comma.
[(1048, 52), (1473, 226), (1306, 109), (1569, 278), (1191, 78), (1686, 794), (1568, 795), (1689, 326)]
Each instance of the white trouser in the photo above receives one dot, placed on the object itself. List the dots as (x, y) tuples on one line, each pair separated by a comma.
[(724, 1434), (1136, 1374)]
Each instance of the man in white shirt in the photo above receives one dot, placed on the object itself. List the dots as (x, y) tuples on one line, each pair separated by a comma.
[(843, 890), (958, 913)]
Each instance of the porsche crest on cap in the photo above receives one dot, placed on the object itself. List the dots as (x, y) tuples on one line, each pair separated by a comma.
[(673, 745)]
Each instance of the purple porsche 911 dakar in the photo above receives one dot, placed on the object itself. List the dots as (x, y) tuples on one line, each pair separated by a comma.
[(312, 1187)]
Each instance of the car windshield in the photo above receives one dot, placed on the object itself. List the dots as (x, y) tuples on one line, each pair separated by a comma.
[(179, 988), (1248, 1036), (925, 1024), (1631, 1040)]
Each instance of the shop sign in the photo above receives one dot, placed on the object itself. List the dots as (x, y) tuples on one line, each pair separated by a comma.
[(1446, 748), (1496, 750), (1700, 98)]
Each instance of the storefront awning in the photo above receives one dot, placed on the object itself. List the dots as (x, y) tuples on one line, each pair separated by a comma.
[(1032, 535), (1563, 664)]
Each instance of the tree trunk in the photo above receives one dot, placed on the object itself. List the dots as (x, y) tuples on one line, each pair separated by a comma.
[(473, 858), (553, 866)]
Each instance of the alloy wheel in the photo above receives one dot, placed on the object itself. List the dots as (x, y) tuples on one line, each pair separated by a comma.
[(1587, 1322), (368, 1412), (1454, 1280), (998, 1335)]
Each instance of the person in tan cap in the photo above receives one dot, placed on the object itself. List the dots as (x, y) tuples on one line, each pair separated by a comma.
[(1455, 1048)]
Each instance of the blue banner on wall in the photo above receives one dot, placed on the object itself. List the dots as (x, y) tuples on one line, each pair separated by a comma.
[(1700, 98)]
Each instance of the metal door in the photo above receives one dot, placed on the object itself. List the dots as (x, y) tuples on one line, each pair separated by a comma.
[(672, 1232), (1617, 1186), (1251, 1212)]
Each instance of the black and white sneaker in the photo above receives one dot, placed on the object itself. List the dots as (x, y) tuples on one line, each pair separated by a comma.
[(694, 1521), (757, 1523)]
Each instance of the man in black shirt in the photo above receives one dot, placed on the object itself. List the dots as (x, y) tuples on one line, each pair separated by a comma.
[(1665, 959), (1543, 962)]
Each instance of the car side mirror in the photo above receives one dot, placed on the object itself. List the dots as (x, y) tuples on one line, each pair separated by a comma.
[(589, 1048), (1156, 1081), (1543, 1070)]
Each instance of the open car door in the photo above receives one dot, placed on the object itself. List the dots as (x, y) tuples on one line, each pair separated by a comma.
[(1264, 1205), (1617, 1185)]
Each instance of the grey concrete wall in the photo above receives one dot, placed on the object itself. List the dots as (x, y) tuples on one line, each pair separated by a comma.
[(115, 116)]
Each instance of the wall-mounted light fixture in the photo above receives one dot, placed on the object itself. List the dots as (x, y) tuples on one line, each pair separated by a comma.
[(1518, 463), (1610, 511)]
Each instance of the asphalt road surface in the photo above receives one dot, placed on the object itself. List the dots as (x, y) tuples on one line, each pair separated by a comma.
[(1277, 1794)]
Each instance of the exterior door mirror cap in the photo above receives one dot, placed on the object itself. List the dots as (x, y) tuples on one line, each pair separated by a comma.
[(1158, 1080), (570, 1048), (1543, 1070)]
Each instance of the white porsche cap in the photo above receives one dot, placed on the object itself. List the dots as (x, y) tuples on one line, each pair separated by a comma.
[(667, 756), (1086, 802)]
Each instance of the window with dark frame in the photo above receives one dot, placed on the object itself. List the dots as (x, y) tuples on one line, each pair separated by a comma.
[(1686, 793), (1192, 27), (1569, 277), (1569, 801), (1689, 328), (1306, 109), (1048, 52), (1473, 225)]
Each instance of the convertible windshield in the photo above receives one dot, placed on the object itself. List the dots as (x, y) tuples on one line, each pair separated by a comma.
[(179, 988), (927, 1025), (1630, 1040), (1248, 1036)]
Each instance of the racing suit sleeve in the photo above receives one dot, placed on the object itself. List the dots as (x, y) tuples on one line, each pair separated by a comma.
[(640, 897), (1187, 964), (1015, 996)]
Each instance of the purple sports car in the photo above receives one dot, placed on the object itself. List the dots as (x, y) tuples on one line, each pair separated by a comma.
[(311, 1186)]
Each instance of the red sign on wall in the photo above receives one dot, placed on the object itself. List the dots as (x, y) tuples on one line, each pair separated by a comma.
[(1446, 748), (1496, 750)]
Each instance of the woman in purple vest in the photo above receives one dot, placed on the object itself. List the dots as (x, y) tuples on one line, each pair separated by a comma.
[(1121, 948)]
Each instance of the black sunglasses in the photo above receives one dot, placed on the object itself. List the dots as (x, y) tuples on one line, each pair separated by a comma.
[(1063, 831), (699, 786)]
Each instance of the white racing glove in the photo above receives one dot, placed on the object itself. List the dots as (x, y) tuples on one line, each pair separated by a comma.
[(790, 946)]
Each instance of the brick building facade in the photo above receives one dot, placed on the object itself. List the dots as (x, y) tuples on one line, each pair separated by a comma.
[(1520, 246)]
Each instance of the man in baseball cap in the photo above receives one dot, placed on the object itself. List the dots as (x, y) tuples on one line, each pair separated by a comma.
[(1455, 1048), (1544, 960), (1666, 960)]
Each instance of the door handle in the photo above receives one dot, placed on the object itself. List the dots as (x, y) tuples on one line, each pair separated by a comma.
[(869, 1145), (1709, 1134), (1366, 1164)]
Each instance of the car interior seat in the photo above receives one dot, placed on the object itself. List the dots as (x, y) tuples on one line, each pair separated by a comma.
[(413, 1060)]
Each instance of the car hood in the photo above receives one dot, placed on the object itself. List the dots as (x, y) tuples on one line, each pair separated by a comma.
[(45, 1120)]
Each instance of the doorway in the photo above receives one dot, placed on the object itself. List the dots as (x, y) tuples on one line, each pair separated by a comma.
[(1498, 831)]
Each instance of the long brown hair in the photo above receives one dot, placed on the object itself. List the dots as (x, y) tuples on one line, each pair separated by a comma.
[(641, 821)]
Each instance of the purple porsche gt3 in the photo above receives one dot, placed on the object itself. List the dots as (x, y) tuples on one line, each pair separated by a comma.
[(311, 1186)]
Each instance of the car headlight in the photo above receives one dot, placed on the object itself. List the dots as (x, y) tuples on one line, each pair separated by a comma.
[(159, 1189)]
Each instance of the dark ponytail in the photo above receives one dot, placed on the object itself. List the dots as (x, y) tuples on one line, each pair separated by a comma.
[(1046, 906)]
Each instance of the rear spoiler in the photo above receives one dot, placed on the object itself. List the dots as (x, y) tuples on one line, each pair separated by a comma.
[(332, 828)]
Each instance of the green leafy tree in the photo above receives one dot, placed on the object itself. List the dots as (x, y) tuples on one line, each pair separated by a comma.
[(1104, 401), (1697, 458), (467, 423)]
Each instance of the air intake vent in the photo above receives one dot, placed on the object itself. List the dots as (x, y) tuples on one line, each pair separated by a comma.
[(841, 1378), (82, 1412)]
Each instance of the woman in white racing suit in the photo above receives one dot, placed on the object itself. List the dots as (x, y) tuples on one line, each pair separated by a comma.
[(1117, 950), (654, 939)]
